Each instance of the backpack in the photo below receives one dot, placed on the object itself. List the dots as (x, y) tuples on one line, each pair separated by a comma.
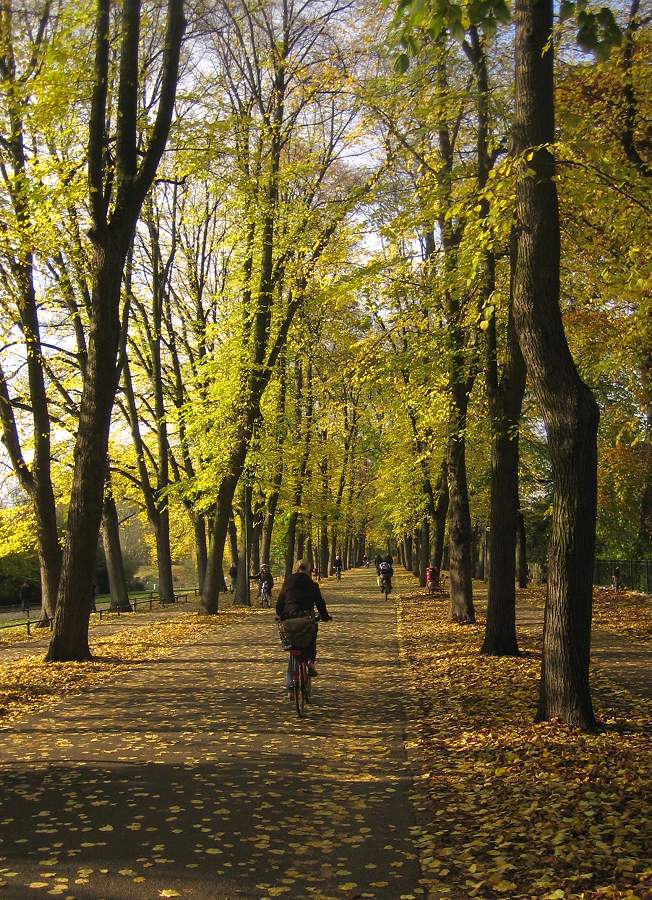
[(384, 568)]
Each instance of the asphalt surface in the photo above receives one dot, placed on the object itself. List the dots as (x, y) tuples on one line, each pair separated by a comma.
[(193, 776)]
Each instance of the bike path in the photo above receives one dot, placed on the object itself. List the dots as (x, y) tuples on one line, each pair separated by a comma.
[(193, 777)]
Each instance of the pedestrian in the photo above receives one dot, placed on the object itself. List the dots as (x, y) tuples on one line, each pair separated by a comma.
[(93, 597), (233, 578), (25, 596), (615, 579)]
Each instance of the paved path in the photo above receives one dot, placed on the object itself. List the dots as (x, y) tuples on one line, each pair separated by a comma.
[(194, 778)]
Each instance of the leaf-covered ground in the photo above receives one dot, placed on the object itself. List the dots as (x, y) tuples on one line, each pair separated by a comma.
[(29, 684), (510, 808), (627, 612), (190, 775)]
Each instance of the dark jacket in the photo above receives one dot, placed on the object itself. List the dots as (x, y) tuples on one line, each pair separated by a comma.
[(299, 596)]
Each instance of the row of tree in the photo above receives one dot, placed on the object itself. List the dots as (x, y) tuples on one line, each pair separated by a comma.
[(282, 288)]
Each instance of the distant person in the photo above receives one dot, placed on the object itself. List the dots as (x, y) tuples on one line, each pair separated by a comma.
[(386, 573), (338, 566), (265, 584), (93, 597), (233, 578), (615, 579), (25, 597)]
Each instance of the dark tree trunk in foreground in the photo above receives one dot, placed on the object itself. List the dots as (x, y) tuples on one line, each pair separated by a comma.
[(113, 554), (129, 178), (567, 405)]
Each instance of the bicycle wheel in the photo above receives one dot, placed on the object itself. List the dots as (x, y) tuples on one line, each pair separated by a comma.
[(297, 682), (307, 681)]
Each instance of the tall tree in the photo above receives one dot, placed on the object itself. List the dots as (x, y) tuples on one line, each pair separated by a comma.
[(117, 189), (567, 405)]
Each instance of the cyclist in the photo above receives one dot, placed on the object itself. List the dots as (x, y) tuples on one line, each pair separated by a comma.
[(338, 566), (385, 573), (265, 582), (297, 598)]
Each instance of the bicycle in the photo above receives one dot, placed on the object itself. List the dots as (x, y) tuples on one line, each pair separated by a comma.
[(299, 668), (338, 574), (301, 680), (265, 596), (385, 585)]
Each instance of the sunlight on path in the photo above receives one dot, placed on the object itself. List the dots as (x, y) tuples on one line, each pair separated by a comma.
[(193, 777)]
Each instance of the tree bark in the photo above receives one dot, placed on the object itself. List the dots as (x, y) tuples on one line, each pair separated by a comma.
[(407, 552), (424, 551), (505, 399), (113, 554), (567, 405), (441, 515), (416, 552), (521, 551), (459, 514), (199, 527)]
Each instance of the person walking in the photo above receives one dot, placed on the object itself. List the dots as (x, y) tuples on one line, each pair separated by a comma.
[(25, 597), (233, 578)]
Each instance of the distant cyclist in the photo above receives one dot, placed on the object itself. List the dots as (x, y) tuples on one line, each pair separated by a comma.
[(265, 582), (338, 566), (297, 598), (386, 573)]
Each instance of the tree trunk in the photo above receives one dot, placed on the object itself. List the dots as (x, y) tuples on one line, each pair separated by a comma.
[(113, 554), (441, 516), (49, 557), (500, 629), (70, 638), (164, 558), (233, 541), (310, 557), (407, 552), (333, 550), (323, 549), (505, 400), (567, 405), (199, 526), (424, 551), (416, 553), (459, 515), (521, 551), (290, 544)]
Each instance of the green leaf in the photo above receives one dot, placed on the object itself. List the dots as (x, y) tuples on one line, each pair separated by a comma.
[(402, 63)]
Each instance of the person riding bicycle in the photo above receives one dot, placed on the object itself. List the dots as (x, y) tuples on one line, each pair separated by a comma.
[(265, 584), (385, 573), (297, 598), (338, 566)]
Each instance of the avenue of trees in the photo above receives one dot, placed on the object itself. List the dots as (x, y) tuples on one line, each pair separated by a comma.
[(308, 278)]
